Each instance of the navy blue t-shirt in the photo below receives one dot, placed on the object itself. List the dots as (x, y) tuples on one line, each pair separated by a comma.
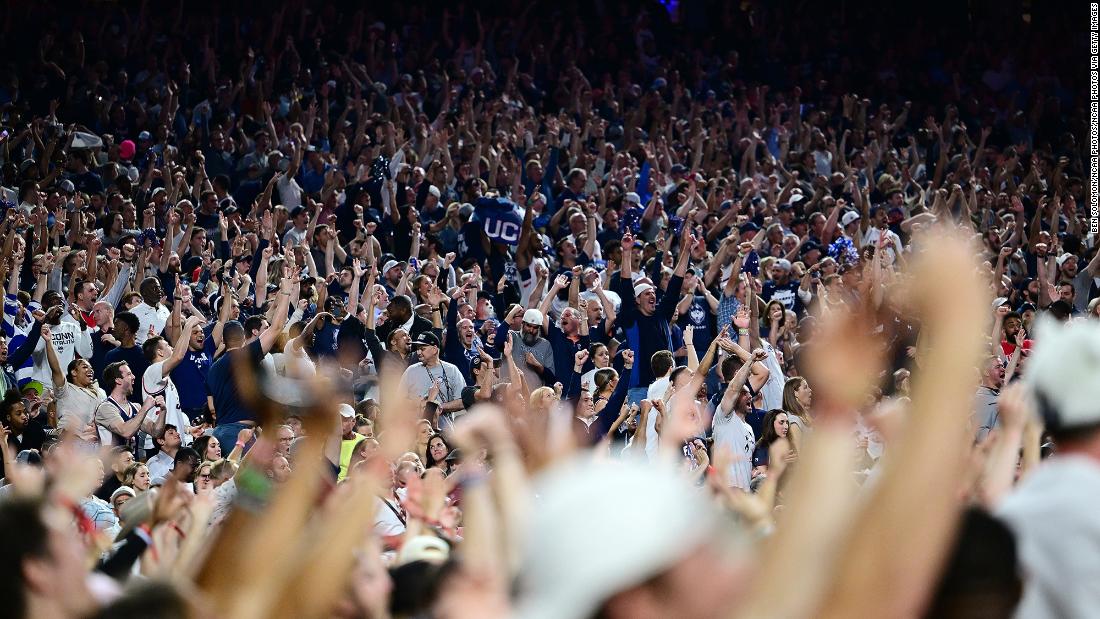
[(698, 315), (222, 385), (787, 294), (133, 358), (190, 375), (324, 339)]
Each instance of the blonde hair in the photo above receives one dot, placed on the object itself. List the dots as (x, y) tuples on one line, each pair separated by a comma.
[(540, 395)]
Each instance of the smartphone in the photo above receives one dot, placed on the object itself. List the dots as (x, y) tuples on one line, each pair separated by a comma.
[(414, 263)]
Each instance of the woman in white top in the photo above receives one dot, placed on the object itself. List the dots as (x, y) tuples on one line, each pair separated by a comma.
[(601, 358), (796, 402), (76, 392)]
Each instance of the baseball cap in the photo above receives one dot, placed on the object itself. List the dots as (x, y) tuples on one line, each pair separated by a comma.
[(748, 226), (427, 548), (67, 186), (391, 264), (571, 563), (642, 288), (145, 135), (678, 168), (346, 411), (121, 490), (848, 218), (783, 263), (296, 211), (533, 317), (426, 339), (1060, 260), (434, 191), (632, 197), (1062, 373)]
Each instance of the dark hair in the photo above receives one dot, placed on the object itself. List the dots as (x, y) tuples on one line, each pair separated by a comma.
[(11, 398), (729, 367), (111, 373), (661, 362), (149, 348), (201, 444), (72, 366), (401, 301), (603, 377), (233, 330), (980, 571), (130, 320), (253, 323), (23, 535), (429, 460), (768, 434), (140, 596)]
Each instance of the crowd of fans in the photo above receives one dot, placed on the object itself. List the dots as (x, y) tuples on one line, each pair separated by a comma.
[(546, 310)]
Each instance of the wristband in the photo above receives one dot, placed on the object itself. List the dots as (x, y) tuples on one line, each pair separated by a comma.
[(239, 444), (742, 331)]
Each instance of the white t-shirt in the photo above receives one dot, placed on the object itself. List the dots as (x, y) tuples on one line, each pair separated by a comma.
[(657, 390), (68, 340), (732, 433), (148, 315), (893, 243), (386, 522), (155, 383)]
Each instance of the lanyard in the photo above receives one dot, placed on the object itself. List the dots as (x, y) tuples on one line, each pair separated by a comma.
[(443, 375)]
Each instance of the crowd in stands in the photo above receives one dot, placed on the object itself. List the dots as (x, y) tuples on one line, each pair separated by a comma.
[(547, 309)]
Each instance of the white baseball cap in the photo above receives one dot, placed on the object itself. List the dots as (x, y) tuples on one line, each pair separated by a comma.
[(1062, 371), (427, 548), (532, 317), (642, 288), (632, 197), (848, 218), (346, 411), (650, 518)]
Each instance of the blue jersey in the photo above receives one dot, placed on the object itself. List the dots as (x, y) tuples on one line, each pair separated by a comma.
[(190, 375)]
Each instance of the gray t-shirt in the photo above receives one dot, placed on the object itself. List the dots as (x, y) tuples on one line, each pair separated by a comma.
[(984, 417), (418, 379), (543, 352), (1053, 514)]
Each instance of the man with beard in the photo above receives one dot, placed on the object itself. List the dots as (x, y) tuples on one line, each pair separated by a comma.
[(70, 337), (157, 379), (128, 351), (189, 375), (395, 354), (399, 313), (731, 429), (570, 335), (642, 319), (783, 288), (533, 355), (460, 348), (985, 415), (1086, 282), (432, 378), (119, 420)]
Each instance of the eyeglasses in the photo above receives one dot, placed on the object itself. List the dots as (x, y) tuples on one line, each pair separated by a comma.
[(204, 475)]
